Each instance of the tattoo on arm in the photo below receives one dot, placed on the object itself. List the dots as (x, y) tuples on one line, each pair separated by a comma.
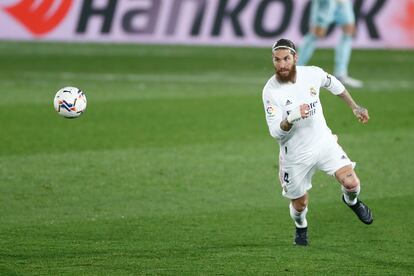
[(348, 99)]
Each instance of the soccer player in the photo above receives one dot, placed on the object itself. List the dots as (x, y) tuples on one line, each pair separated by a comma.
[(322, 14), (295, 118)]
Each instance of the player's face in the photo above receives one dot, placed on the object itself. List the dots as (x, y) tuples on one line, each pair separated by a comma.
[(285, 65)]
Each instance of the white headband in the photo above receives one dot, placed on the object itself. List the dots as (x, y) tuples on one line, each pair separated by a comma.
[(284, 47)]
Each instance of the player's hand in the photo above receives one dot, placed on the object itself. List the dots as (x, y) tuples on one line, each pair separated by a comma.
[(304, 111), (362, 114), (297, 113)]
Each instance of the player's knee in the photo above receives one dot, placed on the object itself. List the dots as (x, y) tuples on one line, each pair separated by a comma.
[(299, 207), (300, 204), (347, 177), (349, 29), (319, 32), (351, 183)]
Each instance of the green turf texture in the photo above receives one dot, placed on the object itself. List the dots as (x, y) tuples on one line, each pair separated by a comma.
[(172, 171)]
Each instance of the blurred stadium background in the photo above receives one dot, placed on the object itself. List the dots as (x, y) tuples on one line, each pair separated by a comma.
[(171, 170)]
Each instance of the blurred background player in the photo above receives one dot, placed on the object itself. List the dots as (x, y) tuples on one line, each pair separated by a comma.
[(322, 14)]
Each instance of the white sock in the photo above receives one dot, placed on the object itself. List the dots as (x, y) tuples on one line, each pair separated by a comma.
[(299, 217), (350, 196)]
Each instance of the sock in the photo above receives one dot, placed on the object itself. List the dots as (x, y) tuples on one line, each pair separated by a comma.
[(307, 48), (350, 196), (299, 217), (342, 55)]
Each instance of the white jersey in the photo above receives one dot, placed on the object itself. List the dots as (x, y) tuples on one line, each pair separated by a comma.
[(309, 134)]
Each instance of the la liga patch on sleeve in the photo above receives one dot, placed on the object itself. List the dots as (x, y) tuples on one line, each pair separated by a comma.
[(270, 110)]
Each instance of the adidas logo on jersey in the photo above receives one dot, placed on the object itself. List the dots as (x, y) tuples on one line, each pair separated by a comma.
[(288, 102)]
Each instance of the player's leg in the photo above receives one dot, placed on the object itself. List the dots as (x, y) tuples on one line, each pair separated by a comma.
[(299, 204), (347, 177), (343, 50), (321, 15), (344, 17), (298, 210), (308, 44), (350, 184), (296, 181), (334, 161)]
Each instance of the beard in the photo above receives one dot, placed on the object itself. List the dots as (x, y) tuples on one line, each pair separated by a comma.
[(286, 78)]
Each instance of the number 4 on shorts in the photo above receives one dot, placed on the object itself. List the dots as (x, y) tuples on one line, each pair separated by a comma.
[(286, 177)]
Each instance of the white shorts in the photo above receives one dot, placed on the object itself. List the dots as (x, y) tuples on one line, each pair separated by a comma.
[(296, 177)]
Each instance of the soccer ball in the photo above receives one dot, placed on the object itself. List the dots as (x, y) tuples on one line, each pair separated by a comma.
[(70, 102)]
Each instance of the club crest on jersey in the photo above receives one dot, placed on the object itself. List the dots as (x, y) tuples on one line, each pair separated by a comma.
[(312, 91)]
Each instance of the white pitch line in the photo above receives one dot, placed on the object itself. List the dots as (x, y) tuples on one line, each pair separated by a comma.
[(168, 78), (380, 85), (207, 78)]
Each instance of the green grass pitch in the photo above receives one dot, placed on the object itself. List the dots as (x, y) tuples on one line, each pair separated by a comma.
[(171, 170)]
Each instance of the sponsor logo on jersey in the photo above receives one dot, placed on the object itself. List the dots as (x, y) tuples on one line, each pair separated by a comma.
[(312, 108)]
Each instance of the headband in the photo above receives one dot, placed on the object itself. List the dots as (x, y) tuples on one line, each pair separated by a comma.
[(284, 47)]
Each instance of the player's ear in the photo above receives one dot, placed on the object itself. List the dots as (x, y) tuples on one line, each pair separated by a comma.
[(295, 57)]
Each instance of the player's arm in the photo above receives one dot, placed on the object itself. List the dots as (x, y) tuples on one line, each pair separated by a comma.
[(279, 125), (360, 112), (337, 88), (273, 118)]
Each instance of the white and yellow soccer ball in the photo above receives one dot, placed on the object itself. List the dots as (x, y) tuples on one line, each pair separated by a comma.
[(70, 102)]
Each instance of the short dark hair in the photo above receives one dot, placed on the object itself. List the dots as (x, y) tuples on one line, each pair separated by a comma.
[(284, 44)]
